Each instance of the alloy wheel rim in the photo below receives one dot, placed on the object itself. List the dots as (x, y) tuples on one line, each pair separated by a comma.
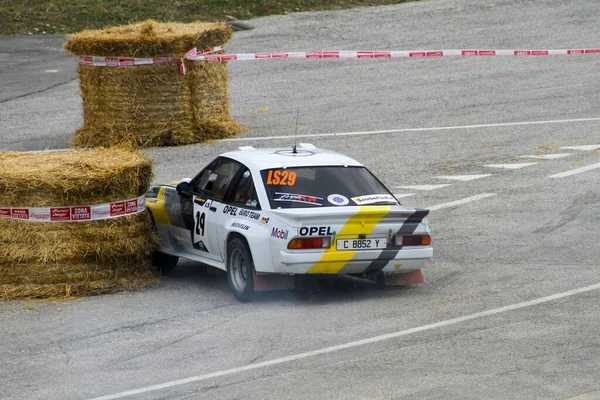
[(239, 270)]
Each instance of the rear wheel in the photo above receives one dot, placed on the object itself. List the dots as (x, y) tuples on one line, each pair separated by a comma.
[(240, 269), (380, 280)]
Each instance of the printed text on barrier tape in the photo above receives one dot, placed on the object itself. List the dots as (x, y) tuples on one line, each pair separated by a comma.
[(94, 61), (75, 213), (206, 56)]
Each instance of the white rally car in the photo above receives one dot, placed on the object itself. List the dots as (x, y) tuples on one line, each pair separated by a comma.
[(261, 214)]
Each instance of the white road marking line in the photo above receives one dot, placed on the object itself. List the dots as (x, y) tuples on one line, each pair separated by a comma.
[(510, 166), (549, 156), (464, 178), (461, 201), (583, 148), (350, 345), (424, 187), (402, 195), (437, 128), (576, 171), (51, 70)]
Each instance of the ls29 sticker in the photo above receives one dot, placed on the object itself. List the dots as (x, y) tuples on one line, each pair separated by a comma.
[(338, 199), (374, 198), (283, 178)]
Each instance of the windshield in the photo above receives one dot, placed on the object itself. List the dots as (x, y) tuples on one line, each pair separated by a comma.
[(330, 186)]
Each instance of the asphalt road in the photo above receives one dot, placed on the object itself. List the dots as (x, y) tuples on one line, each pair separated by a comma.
[(510, 304)]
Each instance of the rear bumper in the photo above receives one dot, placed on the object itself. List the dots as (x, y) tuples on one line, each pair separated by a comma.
[(341, 262)]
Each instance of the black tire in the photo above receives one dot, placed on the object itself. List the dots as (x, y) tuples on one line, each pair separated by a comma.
[(240, 269), (164, 263), (380, 280)]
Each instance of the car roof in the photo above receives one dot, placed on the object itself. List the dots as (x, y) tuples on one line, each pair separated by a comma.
[(306, 155)]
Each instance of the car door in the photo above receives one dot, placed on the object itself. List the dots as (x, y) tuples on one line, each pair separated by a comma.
[(240, 208), (202, 209)]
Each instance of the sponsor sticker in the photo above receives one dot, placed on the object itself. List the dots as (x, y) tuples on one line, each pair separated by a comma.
[(279, 233), (20, 213), (374, 198), (4, 212), (316, 230), (249, 214), (100, 212), (231, 210), (81, 213), (131, 206), (298, 198), (264, 220), (338, 199), (240, 226), (117, 209), (39, 214), (60, 214)]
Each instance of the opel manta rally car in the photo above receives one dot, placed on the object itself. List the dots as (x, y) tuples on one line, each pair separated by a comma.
[(264, 215)]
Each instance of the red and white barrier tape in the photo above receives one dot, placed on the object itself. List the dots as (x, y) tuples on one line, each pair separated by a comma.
[(77, 213), (205, 55), (93, 61), (389, 54)]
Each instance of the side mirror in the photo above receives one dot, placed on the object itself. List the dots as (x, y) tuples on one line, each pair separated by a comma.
[(183, 189)]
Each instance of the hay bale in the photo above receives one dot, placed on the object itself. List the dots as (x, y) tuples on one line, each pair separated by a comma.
[(65, 259), (117, 240), (76, 289), (153, 105), (72, 178)]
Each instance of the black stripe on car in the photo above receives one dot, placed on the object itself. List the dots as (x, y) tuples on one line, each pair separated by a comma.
[(409, 226)]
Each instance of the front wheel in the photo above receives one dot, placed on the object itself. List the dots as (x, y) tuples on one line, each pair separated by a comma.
[(164, 263), (240, 269)]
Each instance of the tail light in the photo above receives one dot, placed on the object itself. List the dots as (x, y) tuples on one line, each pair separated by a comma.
[(411, 240), (309, 243)]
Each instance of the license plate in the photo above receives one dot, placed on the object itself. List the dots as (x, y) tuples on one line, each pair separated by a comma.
[(362, 244)]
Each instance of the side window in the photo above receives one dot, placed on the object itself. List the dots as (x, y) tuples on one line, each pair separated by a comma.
[(244, 193), (215, 178)]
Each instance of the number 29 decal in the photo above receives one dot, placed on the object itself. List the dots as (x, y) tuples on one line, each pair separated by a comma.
[(283, 178), (199, 239), (200, 217)]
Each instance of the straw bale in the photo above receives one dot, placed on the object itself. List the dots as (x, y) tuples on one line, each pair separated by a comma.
[(149, 39), (69, 290), (72, 178), (63, 257), (59, 268), (63, 249), (153, 105), (66, 259), (18, 231), (75, 275)]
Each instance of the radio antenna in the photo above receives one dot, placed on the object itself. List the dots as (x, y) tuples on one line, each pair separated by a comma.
[(294, 151)]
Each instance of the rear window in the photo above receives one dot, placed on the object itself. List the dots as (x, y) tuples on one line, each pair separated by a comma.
[(331, 186)]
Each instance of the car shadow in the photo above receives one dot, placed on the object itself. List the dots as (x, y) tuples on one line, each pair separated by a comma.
[(313, 289)]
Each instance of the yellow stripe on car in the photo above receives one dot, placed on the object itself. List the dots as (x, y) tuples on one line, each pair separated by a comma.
[(159, 212), (362, 223)]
